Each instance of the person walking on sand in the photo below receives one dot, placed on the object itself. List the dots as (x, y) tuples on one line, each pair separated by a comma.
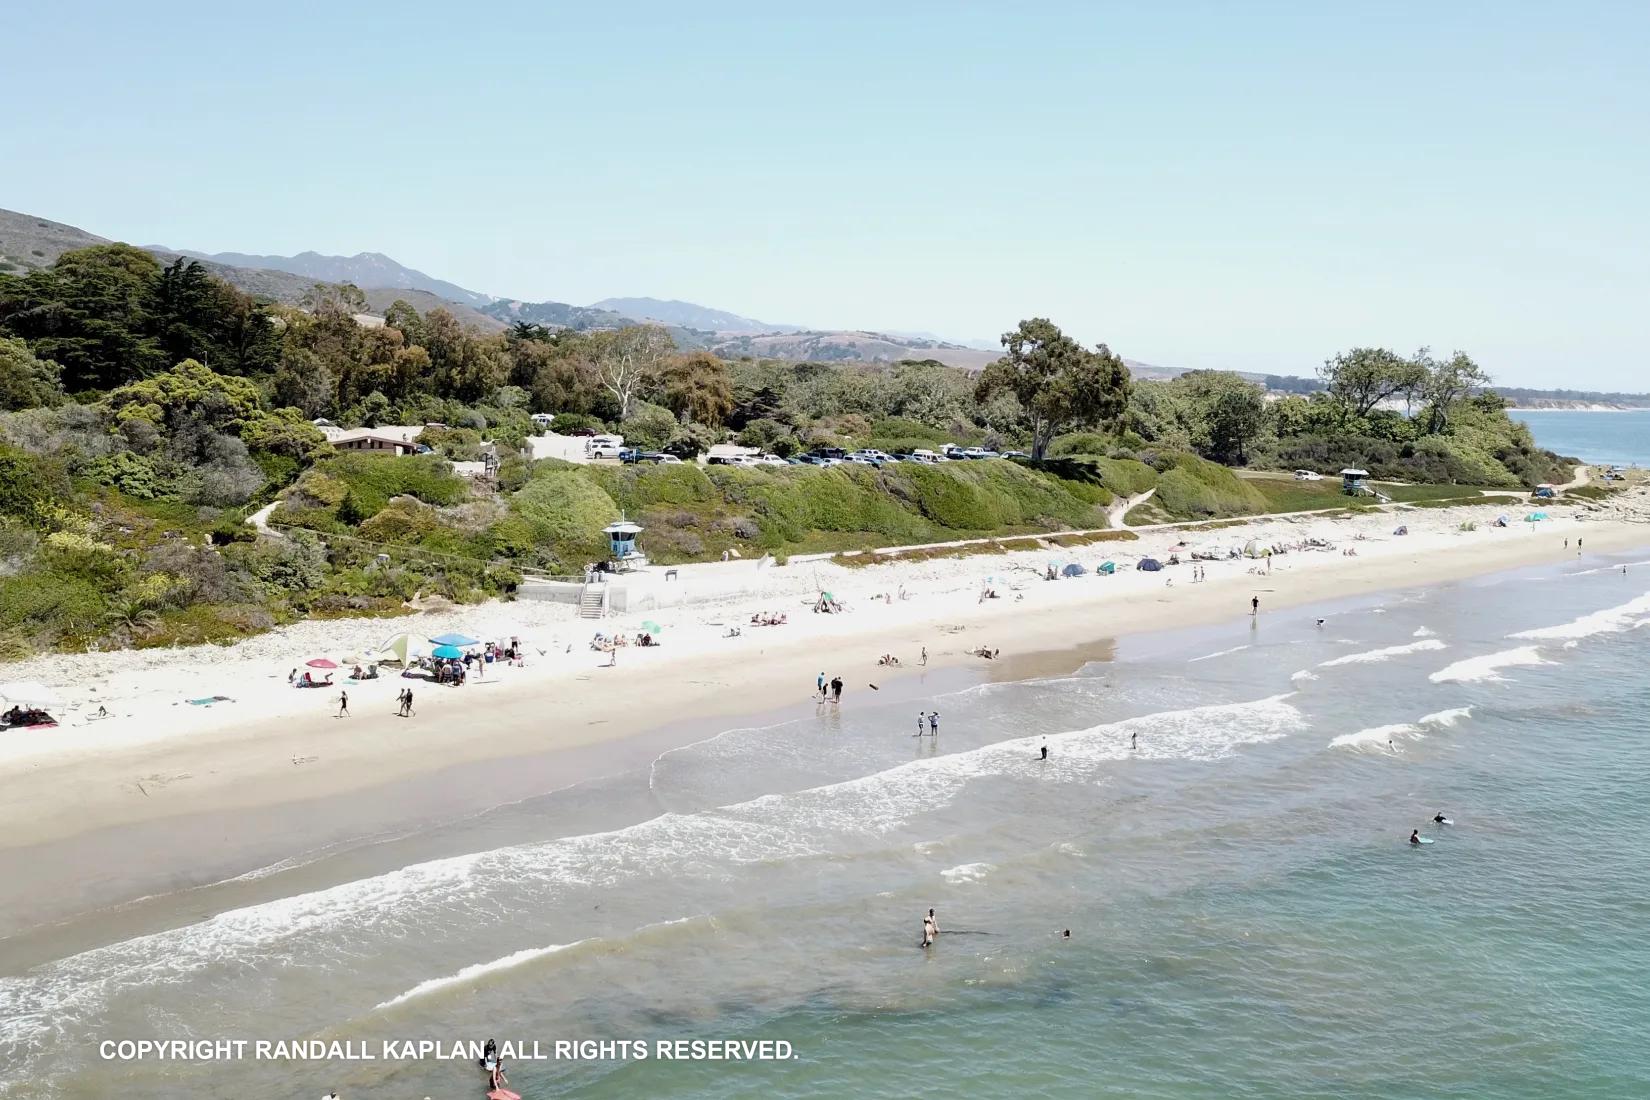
[(933, 723), (922, 723), (924, 660), (406, 705), (1045, 749), (343, 705), (1254, 606), (820, 686), (836, 689)]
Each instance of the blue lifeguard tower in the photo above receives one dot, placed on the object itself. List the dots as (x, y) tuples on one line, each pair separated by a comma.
[(621, 537)]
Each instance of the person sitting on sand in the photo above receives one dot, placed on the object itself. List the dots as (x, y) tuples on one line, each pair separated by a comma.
[(292, 676), (356, 673)]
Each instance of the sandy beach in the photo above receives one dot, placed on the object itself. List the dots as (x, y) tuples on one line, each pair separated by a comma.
[(158, 755)]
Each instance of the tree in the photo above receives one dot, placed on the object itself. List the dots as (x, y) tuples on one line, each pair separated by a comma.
[(1444, 385), (25, 380), (1362, 378), (627, 358), (1057, 381), (1227, 414), (696, 387)]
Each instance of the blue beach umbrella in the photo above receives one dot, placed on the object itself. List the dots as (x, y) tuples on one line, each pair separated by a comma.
[(453, 639), (447, 652)]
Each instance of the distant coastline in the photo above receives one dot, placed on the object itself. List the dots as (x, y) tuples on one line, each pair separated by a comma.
[(1578, 407)]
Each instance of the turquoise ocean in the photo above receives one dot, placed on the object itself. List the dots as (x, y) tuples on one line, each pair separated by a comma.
[(1221, 822)]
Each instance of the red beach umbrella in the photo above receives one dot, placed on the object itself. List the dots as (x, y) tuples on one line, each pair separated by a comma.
[(321, 662)]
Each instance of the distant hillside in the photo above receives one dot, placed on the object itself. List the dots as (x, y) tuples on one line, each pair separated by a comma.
[(848, 347), (688, 315), (556, 314), (28, 242), (367, 270)]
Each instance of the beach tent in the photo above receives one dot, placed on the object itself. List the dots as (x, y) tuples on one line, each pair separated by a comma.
[(1401, 531), (29, 693), (1251, 549), (1072, 570), (1107, 568), (1150, 565), (1501, 521), (396, 649), (453, 639)]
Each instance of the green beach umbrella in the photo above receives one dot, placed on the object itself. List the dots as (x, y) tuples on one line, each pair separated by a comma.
[(652, 627)]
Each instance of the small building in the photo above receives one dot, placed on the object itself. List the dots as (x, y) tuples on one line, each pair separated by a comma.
[(622, 543), (1355, 483), (395, 439)]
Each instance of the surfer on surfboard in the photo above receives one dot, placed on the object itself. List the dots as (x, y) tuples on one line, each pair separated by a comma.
[(1440, 819), (1415, 836)]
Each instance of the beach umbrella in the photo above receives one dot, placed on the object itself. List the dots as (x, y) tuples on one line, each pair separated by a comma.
[(321, 662), (453, 639), (448, 652), (652, 627)]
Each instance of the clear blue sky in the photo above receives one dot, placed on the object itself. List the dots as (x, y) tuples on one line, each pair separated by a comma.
[(1252, 186)]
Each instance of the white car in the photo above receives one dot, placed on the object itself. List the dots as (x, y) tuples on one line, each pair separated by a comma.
[(1307, 475), (770, 460), (605, 450)]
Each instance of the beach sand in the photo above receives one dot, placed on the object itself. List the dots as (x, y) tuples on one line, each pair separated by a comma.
[(277, 761)]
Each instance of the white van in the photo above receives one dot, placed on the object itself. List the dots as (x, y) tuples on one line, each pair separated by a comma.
[(604, 446)]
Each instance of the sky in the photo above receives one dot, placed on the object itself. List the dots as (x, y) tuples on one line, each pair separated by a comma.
[(1247, 186)]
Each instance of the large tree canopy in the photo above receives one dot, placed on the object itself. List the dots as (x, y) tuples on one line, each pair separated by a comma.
[(1364, 377), (1058, 382)]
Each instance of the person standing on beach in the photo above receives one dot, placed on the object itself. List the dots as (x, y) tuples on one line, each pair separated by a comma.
[(922, 722), (934, 723), (928, 930), (924, 660), (1134, 741), (1045, 749), (406, 705), (343, 705), (1254, 606), (836, 689), (820, 686)]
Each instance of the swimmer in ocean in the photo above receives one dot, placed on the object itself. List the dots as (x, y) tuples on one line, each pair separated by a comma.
[(929, 931), (1415, 836), (1439, 818)]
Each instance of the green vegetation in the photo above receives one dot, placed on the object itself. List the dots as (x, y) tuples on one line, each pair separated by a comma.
[(146, 412)]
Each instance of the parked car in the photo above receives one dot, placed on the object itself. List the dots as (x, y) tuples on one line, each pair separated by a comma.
[(1307, 475), (631, 454), (1014, 454), (605, 450), (665, 460), (770, 460), (978, 452)]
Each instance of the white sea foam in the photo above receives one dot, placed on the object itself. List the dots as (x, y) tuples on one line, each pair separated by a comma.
[(1489, 666), (1445, 718), (1301, 676), (471, 973), (459, 894), (1423, 632), (967, 872), (1385, 654), (1218, 653), (1375, 738), (1610, 620)]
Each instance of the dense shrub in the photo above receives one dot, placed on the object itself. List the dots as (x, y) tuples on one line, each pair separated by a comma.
[(566, 514)]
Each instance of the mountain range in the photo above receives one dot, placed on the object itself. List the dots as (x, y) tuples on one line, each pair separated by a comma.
[(28, 242)]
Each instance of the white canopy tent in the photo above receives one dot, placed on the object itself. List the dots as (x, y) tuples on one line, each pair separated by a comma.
[(29, 693)]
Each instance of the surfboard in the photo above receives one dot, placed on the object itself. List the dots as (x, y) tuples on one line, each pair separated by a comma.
[(1425, 839), (1446, 821)]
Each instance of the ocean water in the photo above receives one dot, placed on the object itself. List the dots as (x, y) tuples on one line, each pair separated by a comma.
[(1221, 823), (1622, 437)]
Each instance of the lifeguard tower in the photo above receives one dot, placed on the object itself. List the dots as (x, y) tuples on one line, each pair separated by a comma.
[(621, 538), (1355, 483)]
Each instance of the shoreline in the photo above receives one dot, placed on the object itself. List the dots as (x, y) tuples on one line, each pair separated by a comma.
[(80, 809)]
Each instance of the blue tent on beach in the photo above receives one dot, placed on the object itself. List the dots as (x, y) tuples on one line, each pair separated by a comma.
[(453, 639), (1107, 568), (1073, 570), (447, 652), (1150, 565)]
